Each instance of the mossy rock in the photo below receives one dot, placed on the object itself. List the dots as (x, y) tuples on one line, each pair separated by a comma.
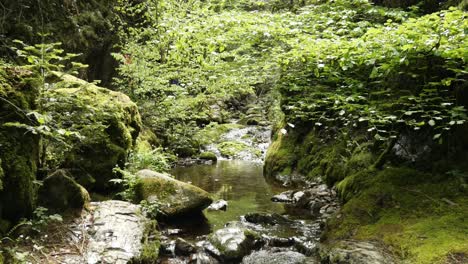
[(108, 122), (208, 155), (212, 132), (231, 148), (150, 244), (280, 157), (306, 151), (233, 241), (59, 192), (418, 216), (19, 149), (252, 119), (174, 197)]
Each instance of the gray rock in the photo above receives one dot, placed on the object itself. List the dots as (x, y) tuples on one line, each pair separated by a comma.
[(120, 228), (184, 248), (220, 205), (115, 231), (310, 201), (202, 258), (284, 197), (175, 198), (356, 252), (273, 241), (233, 242), (269, 219), (268, 257)]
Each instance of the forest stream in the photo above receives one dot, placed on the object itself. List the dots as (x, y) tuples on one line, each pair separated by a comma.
[(247, 131), (245, 200)]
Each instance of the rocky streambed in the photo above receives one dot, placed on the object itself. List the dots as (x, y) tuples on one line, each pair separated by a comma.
[(249, 221), (289, 233)]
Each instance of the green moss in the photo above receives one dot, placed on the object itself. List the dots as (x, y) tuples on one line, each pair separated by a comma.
[(280, 156), (146, 140), (404, 209), (231, 148), (147, 187), (59, 192), (212, 132), (306, 152), (19, 149), (108, 122), (252, 234), (208, 155), (171, 196), (150, 245)]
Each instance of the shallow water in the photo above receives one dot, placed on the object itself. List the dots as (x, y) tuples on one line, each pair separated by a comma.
[(241, 183)]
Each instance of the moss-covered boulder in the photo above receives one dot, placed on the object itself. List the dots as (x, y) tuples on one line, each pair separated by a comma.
[(19, 147), (208, 155), (59, 192), (107, 122), (174, 197)]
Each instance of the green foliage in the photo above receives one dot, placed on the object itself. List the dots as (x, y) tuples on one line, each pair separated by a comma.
[(26, 232), (392, 78), (153, 159), (199, 58), (127, 182)]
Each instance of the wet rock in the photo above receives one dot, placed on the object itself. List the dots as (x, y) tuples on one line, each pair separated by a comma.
[(308, 248), (210, 248), (244, 143), (202, 258), (172, 231), (167, 248), (233, 242), (355, 252), (316, 201), (60, 192), (272, 241), (183, 248), (175, 198), (269, 257), (269, 219), (220, 205), (284, 197)]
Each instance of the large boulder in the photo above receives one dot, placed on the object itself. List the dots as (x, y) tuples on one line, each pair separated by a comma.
[(107, 122), (174, 197), (59, 192), (19, 147), (116, 232)]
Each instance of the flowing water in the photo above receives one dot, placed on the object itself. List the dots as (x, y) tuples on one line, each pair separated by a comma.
[(240, 183)]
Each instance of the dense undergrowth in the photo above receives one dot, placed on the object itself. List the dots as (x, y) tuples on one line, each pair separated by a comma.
[(210, 62)]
